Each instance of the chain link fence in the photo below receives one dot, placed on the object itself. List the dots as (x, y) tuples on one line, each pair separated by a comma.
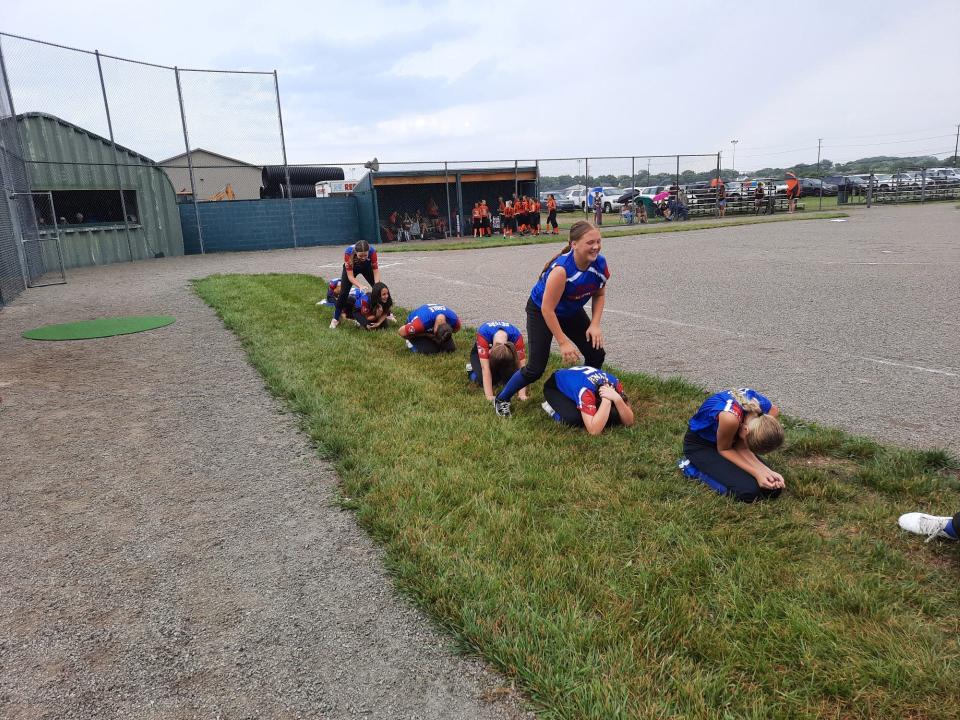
[(119, 143)]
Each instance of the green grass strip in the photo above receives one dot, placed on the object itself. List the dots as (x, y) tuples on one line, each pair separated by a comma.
[(627, 231), (588, 569)]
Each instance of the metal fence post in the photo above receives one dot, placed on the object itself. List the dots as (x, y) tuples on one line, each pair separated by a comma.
[(446, 186), (286, 168), (113, 145), (633, 173), (186, 144), (516, 182), (6, 174), (586, 184), (678, 173), (716, 194)]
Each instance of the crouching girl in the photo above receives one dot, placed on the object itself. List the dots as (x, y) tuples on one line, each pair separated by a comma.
[(586, 397), (373, 311), (430, 328), (496, 355), (723, 440)]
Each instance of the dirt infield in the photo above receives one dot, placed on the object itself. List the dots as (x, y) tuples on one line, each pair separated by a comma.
[(170, 545)]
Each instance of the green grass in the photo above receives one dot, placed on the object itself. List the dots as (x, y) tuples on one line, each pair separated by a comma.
[(589, 570), (608, 231)]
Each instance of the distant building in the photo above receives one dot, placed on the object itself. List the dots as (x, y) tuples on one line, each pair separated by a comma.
[(212, 173)]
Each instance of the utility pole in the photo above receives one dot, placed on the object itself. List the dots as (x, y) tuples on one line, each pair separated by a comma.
[(733, 160), (956, 146), (819, 172)]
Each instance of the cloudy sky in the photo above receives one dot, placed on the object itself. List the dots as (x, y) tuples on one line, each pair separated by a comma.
[(437, 81)]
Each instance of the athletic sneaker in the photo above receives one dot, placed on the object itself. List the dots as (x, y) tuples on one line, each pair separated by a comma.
[(322, 302), (469, 367), (501, 407), (922, 524), (334, 323)]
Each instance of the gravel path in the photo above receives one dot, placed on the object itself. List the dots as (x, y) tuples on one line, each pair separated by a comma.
[(169, 544)]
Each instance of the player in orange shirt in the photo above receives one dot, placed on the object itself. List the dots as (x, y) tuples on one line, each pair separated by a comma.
[(484, 219), (552, 214), (535, 215), (476, 219), (510, 222)]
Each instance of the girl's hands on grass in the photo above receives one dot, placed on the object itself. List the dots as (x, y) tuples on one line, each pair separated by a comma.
[(595, 336), (769, 479), (568, 351), (522, 394)]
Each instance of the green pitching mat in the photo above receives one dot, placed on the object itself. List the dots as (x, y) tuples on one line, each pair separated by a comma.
[(100, 328)]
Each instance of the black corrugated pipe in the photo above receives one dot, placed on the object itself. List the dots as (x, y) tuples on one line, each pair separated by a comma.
[(273, 175)]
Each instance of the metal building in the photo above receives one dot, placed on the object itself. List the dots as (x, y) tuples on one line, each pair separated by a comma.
[(212, 174), (82, 171)]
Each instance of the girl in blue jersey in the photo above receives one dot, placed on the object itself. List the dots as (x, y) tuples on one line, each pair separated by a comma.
[(555, 311), (586, 397), (430, 329), (372, 311), (358, 259), (496, 355), (333, 290), (724, 438)]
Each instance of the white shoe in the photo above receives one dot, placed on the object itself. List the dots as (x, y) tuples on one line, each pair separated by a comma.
[(922, 524), (322, 302), (334, 323), (547, 408), (469, 367)]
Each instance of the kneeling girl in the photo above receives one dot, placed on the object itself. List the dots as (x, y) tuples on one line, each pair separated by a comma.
[(724, 438), (496, 355), (373, 311), (586, 397), (430, 329)]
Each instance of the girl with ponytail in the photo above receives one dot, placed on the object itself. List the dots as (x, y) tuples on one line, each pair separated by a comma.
[(555, 311), (724, 438), (496, 355)]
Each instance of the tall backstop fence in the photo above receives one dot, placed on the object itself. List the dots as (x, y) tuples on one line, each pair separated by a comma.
[(113, 146)]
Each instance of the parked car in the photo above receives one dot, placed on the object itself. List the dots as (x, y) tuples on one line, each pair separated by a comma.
[(577, 196), (610, 196), (810, 187), (946, 177)]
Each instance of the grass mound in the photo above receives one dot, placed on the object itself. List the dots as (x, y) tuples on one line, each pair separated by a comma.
[(589, 569)]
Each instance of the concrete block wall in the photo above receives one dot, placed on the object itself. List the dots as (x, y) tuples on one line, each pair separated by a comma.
[(230, 226)]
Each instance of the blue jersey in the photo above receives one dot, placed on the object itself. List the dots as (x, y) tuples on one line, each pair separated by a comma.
[(705, 423), (422, 319), (581, 284), (331, 290), (582, 385), (361, 301), (350, 260), (486, 332)]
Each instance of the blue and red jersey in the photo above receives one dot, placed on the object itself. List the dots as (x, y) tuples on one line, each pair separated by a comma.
[(361, 301), (486, 332), (582, 385), (422, 319), (332, 290), (350, 260), (705, 422), (581, 285)]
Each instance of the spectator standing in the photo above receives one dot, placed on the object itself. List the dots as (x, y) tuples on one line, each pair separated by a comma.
[(598, 208)]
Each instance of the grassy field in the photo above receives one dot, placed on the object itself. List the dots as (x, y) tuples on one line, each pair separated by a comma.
[(589, 570), (608, 231)]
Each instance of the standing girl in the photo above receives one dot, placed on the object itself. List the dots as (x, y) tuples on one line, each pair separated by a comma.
[(555, 310), (552, 214), (496, 355), (358, 259), (724, 438)]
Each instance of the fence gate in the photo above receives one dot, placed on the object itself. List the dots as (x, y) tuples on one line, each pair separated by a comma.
[(40, 237)]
